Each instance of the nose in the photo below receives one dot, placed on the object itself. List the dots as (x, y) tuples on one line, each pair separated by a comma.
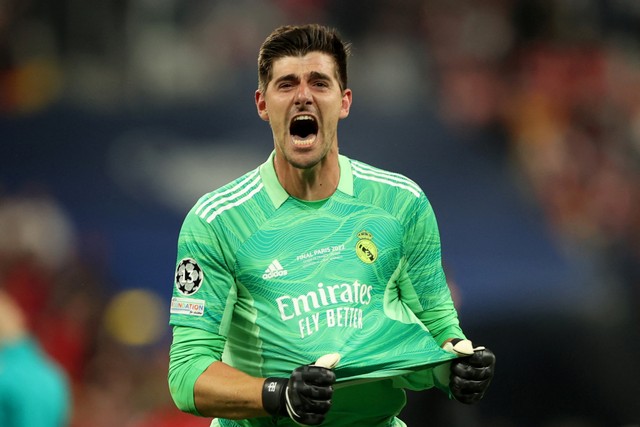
[(303, 95)]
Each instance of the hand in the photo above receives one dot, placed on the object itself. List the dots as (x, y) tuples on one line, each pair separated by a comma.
[(471, 375), (306, 395)]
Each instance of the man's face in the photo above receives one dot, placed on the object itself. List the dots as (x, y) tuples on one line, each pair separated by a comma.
[(303, 103)]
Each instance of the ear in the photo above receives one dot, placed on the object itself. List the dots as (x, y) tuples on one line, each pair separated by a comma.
[(261, 106), (346, 103)]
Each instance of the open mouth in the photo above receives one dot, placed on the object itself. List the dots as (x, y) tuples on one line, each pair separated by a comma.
[(303, 129)]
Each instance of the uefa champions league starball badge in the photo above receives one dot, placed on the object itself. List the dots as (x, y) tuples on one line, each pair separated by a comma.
[(189, 276)]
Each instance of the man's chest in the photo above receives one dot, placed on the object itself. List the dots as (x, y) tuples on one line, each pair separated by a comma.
[(299, 249)]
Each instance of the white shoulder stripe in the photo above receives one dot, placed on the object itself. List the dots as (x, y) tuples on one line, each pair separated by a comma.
[(364, 168), (215, 200), (385, 181), (396, 180), (234, 204), (234, 196)]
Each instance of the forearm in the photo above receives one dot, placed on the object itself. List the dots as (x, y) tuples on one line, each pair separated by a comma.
[(442, 321), (203, 385), (223, 391)]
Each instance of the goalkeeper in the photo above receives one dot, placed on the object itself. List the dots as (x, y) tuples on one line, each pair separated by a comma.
[(310, 290)]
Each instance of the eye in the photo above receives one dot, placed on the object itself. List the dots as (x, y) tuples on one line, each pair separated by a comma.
[(321, 83)]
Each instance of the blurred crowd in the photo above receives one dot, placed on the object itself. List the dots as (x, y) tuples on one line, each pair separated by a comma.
[(110, 346), (560, 79)]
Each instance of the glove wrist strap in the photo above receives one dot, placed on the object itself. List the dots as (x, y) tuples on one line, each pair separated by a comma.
[(273, 396)]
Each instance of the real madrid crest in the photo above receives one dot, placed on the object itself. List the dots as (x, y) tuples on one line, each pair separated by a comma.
[(366, 250)]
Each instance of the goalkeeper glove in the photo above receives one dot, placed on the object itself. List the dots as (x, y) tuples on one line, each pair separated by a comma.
[(472, 373), (305, 396)]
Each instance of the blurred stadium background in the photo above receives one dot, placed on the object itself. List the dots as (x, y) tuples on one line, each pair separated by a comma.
[(520, 119)]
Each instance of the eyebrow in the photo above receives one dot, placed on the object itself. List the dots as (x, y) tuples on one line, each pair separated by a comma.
[(314, 75)]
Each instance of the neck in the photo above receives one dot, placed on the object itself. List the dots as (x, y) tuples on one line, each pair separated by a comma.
[(316, 183)]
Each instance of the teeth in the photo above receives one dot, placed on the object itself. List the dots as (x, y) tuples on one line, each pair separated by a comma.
[(304, 142), (304, 117)]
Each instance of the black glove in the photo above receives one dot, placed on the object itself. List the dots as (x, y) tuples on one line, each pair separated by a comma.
[(471, 375), (305, 396)]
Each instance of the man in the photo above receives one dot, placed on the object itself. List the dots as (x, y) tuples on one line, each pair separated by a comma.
[(34, 391), (310, 290)]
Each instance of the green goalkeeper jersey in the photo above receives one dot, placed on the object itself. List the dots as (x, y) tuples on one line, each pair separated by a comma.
[(285, 281)]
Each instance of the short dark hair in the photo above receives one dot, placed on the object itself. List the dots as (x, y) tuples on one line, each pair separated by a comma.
[(290, 40)]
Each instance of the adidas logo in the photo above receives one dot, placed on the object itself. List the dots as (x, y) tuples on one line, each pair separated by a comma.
[(274, 270)]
